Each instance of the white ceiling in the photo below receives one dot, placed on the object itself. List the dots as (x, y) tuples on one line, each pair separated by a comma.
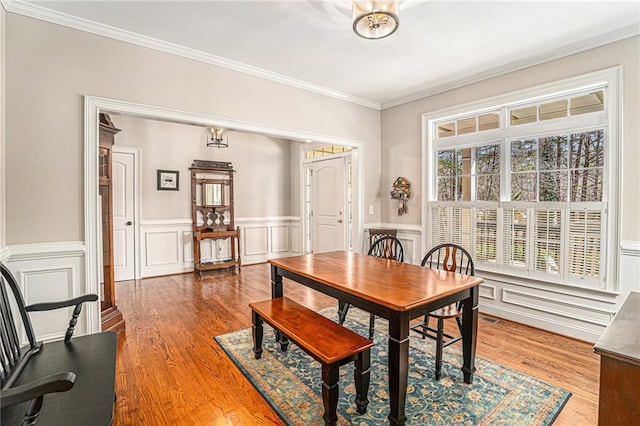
[(310, 44)]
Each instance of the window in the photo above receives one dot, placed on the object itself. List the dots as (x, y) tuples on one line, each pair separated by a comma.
[(531, 197)]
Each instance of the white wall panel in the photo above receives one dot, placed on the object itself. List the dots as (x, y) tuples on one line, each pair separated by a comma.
[(48, 273), (279, 238), (295, 239), (162, 248), (256, 240), (46, 285), (488, 291)]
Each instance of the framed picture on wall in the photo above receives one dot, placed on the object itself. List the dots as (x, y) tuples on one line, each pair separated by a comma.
[(168, 180)]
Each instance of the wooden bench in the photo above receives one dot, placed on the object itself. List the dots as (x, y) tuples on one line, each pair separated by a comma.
[(326, 341), (76, 375)]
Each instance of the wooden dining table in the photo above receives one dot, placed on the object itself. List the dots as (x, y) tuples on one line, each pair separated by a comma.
[(393, 290)]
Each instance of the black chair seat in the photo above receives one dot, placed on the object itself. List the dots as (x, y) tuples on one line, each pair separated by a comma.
[(92, 359), (449, 311)]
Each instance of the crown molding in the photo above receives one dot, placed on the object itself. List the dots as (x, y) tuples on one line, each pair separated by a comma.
[(44, 14), (558, 53)]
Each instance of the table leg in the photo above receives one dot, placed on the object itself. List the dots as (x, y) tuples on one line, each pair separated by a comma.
[(276, 291), (276, 283), (398, 367), (470, 334)]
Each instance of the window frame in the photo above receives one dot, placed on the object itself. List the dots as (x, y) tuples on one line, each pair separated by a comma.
[(608, 80)]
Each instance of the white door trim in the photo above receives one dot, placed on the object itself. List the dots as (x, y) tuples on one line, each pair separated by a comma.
[(93, 105), (136, 204)]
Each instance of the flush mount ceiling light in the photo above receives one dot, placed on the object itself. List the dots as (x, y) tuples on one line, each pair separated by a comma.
[(374, 19), (218, 138)]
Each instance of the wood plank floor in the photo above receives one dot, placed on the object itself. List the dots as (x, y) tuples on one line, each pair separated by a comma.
[(170, 371)]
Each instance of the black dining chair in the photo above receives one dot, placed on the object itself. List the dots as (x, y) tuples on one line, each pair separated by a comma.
[(387, 247), (446, 257)]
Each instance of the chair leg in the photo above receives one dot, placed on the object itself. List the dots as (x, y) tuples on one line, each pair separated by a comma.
[(343, 308), (439, 344), (372, 325), (362, 377), (425, 326), (330, 374)]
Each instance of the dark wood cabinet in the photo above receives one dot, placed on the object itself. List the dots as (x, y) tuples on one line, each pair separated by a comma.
[(619, 350), (212, 212), (111, 316)]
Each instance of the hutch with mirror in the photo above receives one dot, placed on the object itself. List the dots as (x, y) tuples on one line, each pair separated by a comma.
[(212, 213)]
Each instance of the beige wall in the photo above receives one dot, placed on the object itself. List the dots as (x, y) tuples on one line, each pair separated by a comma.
[(262, 182), (48, 70), (401, 125), (3, 214)]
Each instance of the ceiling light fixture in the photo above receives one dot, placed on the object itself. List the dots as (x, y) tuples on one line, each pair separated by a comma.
[(374, 19), (218, 138)]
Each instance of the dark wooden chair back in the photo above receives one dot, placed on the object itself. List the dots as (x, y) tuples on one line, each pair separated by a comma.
[(449, 257), (12, 353), (376, 234), (388, 248)]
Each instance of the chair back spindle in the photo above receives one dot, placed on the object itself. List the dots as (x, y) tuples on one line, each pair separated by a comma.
[(376, 234), (387, 248), (449, 257), (11, 351)]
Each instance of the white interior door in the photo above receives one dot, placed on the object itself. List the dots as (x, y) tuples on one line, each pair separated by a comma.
[(327, 205), (123, 173)]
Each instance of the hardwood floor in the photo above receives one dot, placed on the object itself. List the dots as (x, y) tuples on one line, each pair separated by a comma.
[(170, 371)]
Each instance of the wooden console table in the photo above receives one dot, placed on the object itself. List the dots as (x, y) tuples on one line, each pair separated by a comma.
[(619, 350)]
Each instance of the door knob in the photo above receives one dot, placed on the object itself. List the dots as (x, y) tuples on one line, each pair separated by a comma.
[(129, 223), (339, 220)]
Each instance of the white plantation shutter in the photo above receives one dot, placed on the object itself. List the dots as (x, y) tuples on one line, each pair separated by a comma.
[(461, 226), (439, 225), (514, 237), (486, 234), (584, 243), (547, 240)]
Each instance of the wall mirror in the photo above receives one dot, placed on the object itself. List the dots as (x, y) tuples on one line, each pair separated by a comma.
[(212, 194)]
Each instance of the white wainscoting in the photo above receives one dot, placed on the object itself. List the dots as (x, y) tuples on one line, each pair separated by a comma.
[(47, 273), (53, 271), (167, 245)]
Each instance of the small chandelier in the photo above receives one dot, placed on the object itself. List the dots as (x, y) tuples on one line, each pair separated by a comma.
[(218, 138), (373, 19)]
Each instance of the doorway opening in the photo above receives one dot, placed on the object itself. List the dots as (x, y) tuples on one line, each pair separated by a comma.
[(95, 105), (328, 199)]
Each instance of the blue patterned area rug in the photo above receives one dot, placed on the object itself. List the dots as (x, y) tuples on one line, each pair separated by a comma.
[(291, 382)]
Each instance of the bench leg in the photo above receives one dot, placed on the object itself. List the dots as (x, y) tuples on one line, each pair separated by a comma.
[(362, 376), (282, 340), (256, 331), (330, 374)]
